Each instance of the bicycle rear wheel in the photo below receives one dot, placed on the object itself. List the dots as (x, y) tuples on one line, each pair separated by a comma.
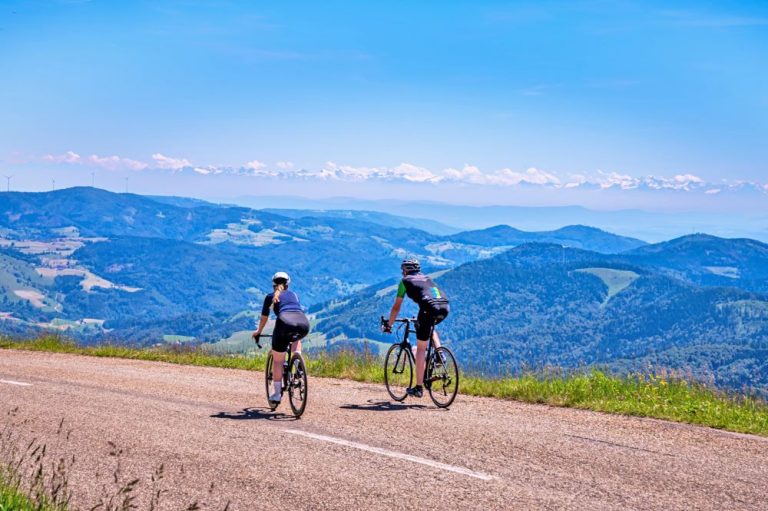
[(398, 371), (268, 379), (297, 381), (442, 377)]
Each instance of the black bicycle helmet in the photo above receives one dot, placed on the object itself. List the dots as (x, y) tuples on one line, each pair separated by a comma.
[(410, 265)]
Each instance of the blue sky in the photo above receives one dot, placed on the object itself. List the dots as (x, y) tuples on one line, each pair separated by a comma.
[(548, 99)]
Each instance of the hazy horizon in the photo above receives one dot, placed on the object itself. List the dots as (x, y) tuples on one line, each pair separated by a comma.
[(646, 105), (646, 225)]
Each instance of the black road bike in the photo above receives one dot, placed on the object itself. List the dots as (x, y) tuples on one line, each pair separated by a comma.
[(294, 379), (441, 373)]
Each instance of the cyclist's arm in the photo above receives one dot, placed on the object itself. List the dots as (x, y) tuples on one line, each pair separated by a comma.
[(262, 324), (264, 314), (398, 303), (395, 310)]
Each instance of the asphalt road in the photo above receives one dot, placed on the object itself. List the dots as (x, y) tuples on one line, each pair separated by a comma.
[(219, 445)]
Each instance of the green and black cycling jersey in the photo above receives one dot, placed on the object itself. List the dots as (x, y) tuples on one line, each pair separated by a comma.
[(422, 290), (432, 302)]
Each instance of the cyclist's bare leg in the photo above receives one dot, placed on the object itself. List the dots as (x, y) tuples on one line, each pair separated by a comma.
[(421, 359), (296, 346), (277, 366), (436, 338)]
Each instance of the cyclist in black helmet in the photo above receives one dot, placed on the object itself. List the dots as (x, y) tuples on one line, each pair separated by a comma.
[(291, 323), (433, 308)]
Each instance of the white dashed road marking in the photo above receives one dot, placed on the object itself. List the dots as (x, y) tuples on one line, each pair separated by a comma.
[(393, 454), (19, 383)]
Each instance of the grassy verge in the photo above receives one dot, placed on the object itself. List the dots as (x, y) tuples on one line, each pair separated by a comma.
[(12, 499), (14, 495), (638, 395)]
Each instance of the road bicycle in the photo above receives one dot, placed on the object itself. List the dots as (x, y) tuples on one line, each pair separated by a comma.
[(294, 379), (441, 372)]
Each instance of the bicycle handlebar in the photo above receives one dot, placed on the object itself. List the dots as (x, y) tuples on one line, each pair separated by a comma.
[(260, 336), (399, 320), (385, 322)]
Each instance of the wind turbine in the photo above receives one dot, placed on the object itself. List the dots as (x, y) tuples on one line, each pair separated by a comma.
[(8, 179)]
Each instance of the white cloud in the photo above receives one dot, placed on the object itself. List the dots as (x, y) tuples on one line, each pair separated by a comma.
[(116, 163), (405, 171), (255, 165), (531, 176), (413, 173), (68, 157), (688, 178), (505, 177), (678, 182), (611, 179), (166, 162), (332, 170), (576, 180), (104, 162), (467, 174)]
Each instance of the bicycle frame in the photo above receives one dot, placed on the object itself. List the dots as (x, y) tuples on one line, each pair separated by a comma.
[(286, 363), (405, 344)]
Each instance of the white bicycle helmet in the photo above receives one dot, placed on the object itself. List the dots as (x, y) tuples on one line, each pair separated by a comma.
[(281, 275)]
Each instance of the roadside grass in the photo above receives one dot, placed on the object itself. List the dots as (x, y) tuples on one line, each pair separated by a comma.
[(642, 395), (30, 480), (11, 499)]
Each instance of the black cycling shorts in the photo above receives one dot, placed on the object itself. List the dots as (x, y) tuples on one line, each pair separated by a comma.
[(290, 326), (429, 316)]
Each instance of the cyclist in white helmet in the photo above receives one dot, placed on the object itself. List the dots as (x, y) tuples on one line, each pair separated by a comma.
[(291, 324)]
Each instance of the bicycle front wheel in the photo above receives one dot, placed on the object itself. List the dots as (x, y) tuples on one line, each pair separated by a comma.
[(398, 371), (297, 381), (442, 377)]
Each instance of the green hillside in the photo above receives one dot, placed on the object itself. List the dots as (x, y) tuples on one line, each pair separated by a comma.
[(83, 258), (710, 261), (527, 309)]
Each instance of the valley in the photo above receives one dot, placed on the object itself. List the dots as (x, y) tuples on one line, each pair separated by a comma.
[(122, 268)]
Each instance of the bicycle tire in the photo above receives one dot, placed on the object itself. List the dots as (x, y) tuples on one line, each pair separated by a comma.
[(442, 379), (297, 385), (398, 359), (268, 378)]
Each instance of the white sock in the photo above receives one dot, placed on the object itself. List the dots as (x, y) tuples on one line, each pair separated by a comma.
[(278, 387)]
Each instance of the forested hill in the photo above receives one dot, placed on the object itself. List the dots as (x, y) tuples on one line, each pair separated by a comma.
[(578, 236), (93, 263), (539, 305), (98, 265), (711, 261)]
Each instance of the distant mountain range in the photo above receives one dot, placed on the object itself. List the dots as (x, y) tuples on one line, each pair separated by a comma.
[(646, 225), (374, 217), (95, 263), (101, 266)]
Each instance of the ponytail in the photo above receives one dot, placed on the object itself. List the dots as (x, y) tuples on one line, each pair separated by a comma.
[(279, 288)]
